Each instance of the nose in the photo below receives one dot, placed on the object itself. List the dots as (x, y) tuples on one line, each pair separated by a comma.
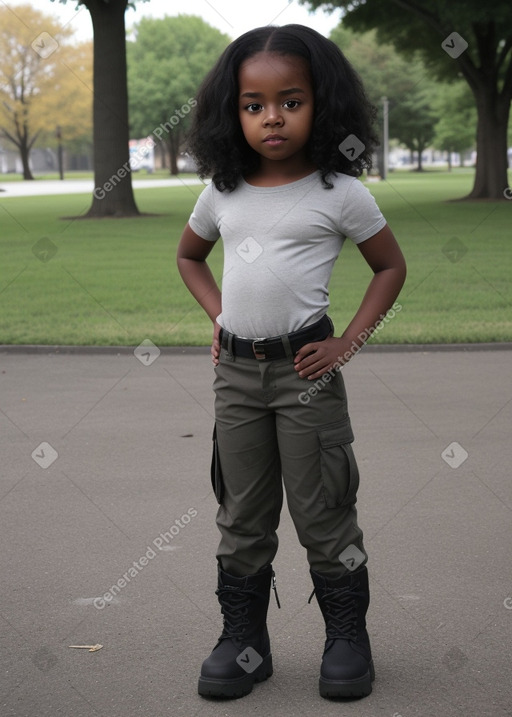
[(273, 118)]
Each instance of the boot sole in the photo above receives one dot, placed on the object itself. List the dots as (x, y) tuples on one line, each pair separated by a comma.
[(239, 687), (361, 687)]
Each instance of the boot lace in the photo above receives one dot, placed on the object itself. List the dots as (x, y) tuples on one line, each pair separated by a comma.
[(339, 609), (234, 607)]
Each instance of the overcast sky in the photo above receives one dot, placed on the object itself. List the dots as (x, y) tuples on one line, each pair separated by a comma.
[(232, 17)]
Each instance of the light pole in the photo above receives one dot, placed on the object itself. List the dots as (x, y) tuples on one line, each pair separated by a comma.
[(385, 137), (58, 134)]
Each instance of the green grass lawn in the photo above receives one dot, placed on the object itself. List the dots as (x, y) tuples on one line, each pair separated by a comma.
[(115, 281)]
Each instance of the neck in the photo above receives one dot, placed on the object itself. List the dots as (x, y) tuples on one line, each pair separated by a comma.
[(272, 174)]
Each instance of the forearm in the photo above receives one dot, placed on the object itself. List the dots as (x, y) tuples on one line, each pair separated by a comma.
[(201, 283), (378, 299), (385, 258)]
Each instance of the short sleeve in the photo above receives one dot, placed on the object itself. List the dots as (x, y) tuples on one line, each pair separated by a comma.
[(203, 220), (361, 218)]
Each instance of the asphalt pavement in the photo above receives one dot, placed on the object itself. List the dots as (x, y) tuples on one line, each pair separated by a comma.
[(107, 525)]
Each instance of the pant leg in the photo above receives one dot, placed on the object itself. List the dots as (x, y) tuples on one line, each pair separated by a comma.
[(319, 469), (249, 466)]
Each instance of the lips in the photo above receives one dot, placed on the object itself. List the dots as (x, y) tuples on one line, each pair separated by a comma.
[(274, 139)]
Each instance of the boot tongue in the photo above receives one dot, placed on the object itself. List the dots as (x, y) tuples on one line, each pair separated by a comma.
[(232, 581)]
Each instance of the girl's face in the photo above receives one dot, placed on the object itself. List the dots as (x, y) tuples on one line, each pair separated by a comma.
[(276, 107)]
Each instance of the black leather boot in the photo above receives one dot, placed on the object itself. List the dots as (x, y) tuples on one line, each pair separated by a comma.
[(242, 655), (347, 666)]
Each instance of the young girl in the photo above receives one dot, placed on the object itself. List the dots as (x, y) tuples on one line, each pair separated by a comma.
[(283, 127)]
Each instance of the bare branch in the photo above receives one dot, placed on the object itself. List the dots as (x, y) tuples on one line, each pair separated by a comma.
[(420, 12), (10, 137)]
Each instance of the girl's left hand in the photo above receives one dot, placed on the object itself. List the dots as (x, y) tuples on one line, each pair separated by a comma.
[(215, 348), (315, 359)]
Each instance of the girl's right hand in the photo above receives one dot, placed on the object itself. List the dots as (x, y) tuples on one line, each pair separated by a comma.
[(215, 349)]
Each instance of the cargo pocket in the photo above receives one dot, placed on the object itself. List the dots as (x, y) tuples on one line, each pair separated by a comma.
[(215, 471), (339, 472)]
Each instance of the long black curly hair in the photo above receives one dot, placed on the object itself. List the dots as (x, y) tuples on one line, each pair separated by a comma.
[(341, 108)]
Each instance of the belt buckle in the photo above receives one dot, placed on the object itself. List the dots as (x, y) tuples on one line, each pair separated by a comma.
[(259, 353)]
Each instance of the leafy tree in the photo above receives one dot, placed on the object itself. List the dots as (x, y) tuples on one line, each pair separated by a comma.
[(455, 128), (70, 101), (166, 64), (406, 85), (412, 118), (33, 61), (382, 69), (113, 193), (460, 37)]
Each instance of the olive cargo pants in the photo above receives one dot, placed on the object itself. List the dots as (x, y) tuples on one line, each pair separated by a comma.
[(272, 427)]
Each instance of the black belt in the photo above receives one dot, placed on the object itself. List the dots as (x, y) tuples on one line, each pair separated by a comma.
[(273, 348)]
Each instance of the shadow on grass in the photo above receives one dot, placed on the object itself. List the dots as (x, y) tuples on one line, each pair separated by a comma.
[(139, 215)]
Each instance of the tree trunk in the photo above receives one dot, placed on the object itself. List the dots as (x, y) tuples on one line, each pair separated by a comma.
[(163, 154), (420, 158), (491, 145), (173, 143), (113, 193), (449, 160), (20, 139), (24, 153)]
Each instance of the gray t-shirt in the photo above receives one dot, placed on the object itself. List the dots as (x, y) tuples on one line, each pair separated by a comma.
[(280, 245)]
